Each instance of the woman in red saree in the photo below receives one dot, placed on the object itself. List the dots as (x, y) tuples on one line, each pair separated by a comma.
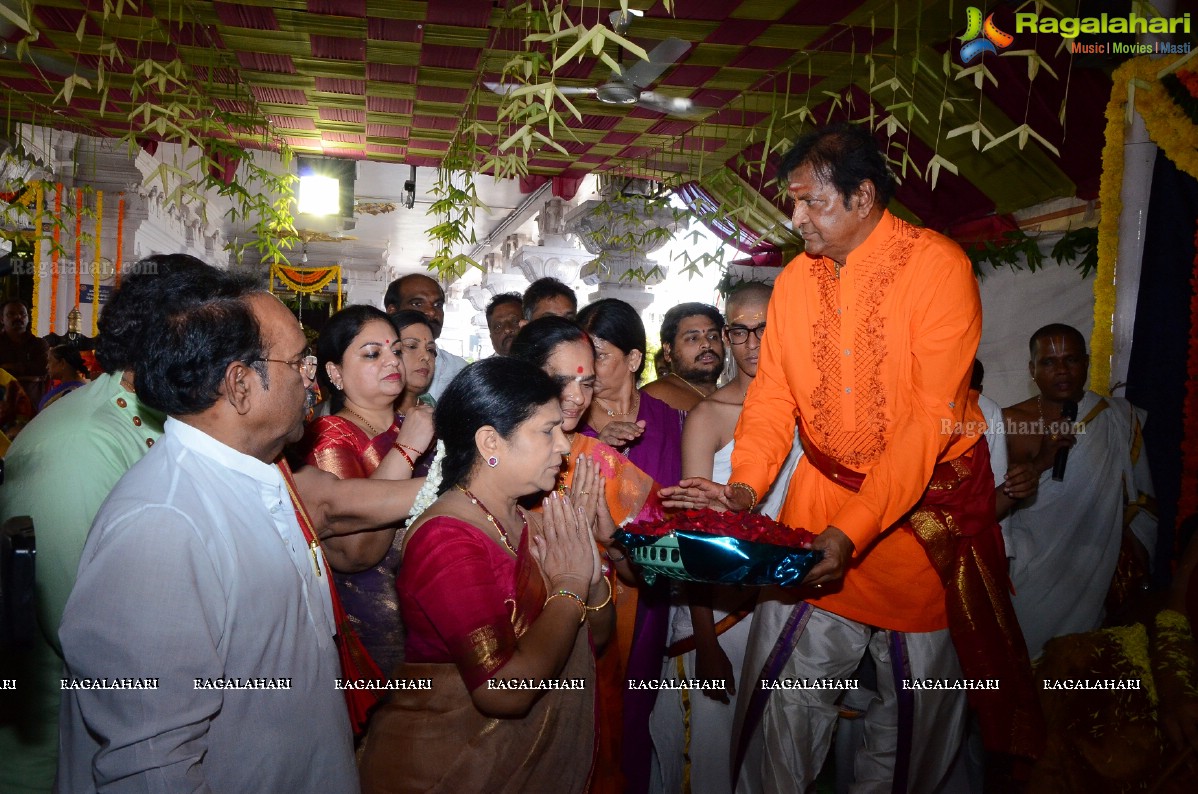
[(614, 491), (361, 370), (500, 605)]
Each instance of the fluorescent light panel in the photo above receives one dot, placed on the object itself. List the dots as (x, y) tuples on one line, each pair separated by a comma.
[(319, 195)]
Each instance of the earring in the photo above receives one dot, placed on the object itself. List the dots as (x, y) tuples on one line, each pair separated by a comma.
[(337, 386), (492, 461)]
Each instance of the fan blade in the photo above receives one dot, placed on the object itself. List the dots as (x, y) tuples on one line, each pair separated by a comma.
[(503, 89), (661, 57), (672, 105), (620, 20)]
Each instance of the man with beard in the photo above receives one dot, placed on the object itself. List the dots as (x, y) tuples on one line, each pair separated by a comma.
[(693, 348), (418, 291), (201, 545), (1064, 541)]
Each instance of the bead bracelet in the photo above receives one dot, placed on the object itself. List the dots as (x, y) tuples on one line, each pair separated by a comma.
[(582, 605), (752, 492)]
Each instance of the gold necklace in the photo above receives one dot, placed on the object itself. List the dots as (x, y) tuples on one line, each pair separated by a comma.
[(361, 419), (695, 388), (636, 404), (494, 521)]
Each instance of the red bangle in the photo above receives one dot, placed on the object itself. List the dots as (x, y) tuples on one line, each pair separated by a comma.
[(399, 448)]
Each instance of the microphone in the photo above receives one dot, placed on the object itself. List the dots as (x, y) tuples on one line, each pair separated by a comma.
[(1068, 413)]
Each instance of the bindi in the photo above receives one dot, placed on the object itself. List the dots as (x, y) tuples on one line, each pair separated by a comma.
[(579, 370)]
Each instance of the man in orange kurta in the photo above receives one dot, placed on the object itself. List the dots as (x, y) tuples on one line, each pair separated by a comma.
[(870, 338)]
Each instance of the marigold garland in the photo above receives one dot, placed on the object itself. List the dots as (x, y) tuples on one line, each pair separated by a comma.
[(55, 254), (96, 264), (78, 245), (39, 209), (120, 241), (307, 280)]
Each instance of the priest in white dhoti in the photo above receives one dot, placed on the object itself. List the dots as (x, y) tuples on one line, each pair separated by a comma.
[(1064, 542)]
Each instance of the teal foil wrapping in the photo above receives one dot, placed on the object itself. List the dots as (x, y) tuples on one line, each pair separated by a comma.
[(723, 560)]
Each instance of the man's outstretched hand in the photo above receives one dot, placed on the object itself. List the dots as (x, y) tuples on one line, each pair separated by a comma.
[(698, 493), (838, 550)]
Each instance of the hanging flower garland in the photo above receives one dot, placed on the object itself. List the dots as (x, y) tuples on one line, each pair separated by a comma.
[(120, 243), (96, 264), (1110, 183), (55, 255), (307, 280), (38, 210), (78, 245), (1170, 112)]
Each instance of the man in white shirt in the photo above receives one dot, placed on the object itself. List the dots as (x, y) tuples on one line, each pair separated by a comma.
[(419, 292), (199, 636)]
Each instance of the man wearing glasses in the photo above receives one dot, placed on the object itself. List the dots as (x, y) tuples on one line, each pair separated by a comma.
[(203, 574), (712, 630)]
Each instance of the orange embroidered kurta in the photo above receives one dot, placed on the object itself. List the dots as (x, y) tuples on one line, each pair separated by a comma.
[(876, 366)]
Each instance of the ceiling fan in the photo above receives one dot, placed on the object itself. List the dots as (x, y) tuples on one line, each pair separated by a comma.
[(630, 86), (49, 65)]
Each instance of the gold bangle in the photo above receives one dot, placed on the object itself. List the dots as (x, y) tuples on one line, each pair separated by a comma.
[(606, 601), (582, 604), (399, 448), (752, 492)]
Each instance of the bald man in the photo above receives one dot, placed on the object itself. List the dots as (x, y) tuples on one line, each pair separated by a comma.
[(423, 294)]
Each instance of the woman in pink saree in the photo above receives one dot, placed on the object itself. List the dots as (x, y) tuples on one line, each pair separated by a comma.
[(361, 369)]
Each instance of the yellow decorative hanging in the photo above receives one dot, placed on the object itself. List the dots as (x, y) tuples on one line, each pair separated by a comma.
[(96, 264), (39, 209), (306, 280)]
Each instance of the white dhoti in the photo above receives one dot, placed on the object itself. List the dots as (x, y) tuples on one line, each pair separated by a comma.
[(692, 730), (709, 722), (1064, 542), (914, 734)]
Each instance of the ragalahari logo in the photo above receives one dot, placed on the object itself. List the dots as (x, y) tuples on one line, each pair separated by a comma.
[(981, 36)]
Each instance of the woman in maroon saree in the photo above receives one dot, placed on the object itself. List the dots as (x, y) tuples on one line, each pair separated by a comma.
[(361, 370), (497, 603)]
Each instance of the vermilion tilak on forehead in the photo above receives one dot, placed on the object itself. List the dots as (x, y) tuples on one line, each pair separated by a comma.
[(580, 370)]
